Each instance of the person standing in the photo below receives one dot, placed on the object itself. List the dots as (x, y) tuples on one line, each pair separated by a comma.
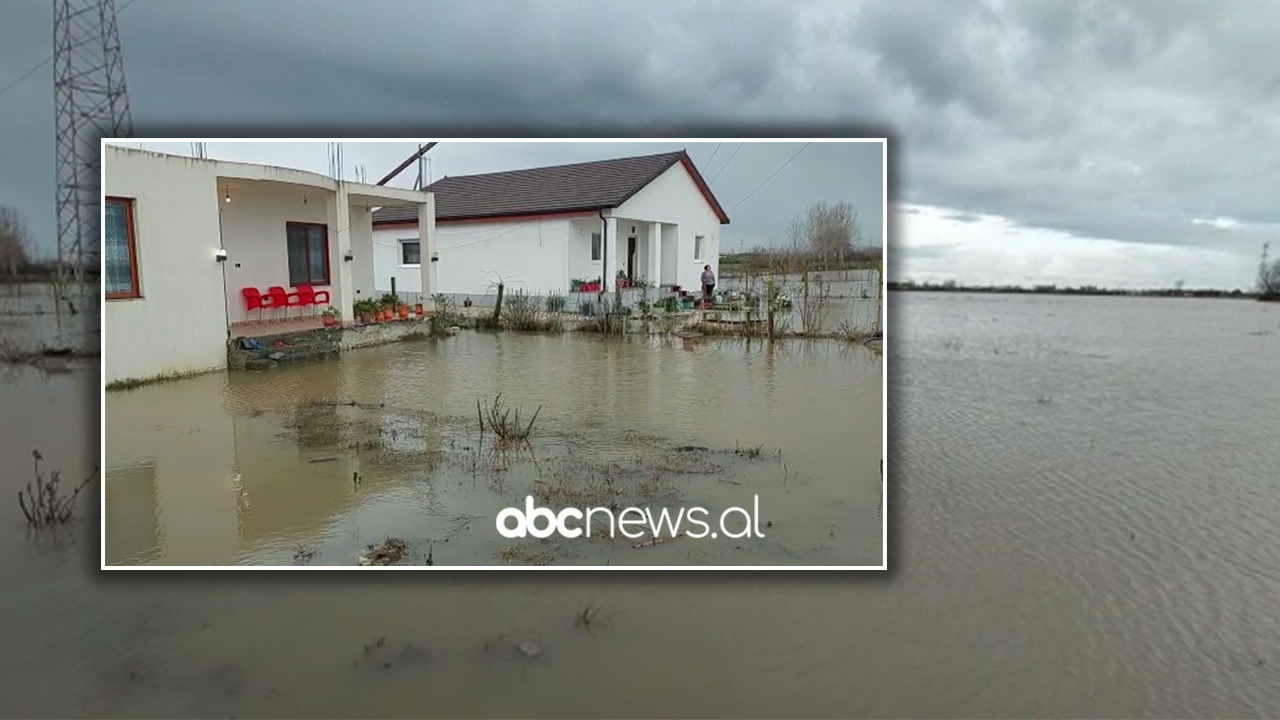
[(708, 284)]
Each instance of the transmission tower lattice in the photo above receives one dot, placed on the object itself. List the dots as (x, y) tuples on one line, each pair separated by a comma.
[(90, 103)]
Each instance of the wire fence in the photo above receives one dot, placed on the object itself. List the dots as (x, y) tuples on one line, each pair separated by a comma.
[(826, 302)]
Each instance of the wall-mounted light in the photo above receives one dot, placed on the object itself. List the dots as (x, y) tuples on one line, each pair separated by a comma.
[(220, 255), (348, 257), (435, 257)]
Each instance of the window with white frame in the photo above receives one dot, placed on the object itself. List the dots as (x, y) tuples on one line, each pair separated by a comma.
[(698, 242), (410, 252), (596, 247)]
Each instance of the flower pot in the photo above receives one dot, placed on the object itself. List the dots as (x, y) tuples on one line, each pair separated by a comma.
[(404, 312), (329, 320), (366, 318), (418, 310)]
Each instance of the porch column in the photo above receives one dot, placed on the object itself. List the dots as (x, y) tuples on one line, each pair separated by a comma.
[(655, 253), (609, 268), (341, 289), (427, 248)]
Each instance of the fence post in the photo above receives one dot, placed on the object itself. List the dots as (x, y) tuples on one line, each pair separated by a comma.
[(769, 299), (497, 307)]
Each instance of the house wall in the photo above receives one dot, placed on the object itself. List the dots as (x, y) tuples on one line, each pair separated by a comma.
[(387, 264), (364, 257), (533, 255), (671, 254), (581, 266), (179, 325), (674, 198), (253, 232)]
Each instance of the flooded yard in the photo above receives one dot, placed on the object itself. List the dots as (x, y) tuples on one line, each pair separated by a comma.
[(842, 302), (315, 463), (1082, 525)]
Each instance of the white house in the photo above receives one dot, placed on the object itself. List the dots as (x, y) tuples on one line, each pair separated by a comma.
[(183, 238), (649, 219)]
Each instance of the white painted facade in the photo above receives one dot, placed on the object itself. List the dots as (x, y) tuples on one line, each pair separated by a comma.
[(676, 232), (185, 210)]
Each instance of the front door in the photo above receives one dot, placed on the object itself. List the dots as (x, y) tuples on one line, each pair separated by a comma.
[(631, 259)]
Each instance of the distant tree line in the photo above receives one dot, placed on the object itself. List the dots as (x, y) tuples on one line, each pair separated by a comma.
[(1177, 291), (16, 262)]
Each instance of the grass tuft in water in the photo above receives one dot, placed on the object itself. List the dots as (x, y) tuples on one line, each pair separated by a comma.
[(498, 418), (47, 503)]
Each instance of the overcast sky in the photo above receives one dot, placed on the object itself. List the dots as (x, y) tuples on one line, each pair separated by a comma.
[(1034, 141)]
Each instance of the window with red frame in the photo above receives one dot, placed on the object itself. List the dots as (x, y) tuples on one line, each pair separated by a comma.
[(120, 250)]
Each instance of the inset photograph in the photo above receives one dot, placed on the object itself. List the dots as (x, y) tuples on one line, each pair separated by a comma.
[(497, 354)]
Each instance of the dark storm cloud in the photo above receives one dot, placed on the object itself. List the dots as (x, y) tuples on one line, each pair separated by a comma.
[(1124, 121)]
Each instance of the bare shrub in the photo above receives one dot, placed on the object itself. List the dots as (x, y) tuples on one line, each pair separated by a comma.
[(47, 503), (497, 418)]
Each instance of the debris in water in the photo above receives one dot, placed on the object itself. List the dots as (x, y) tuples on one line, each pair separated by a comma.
[(655, 541), (391, 551), (530, 648), (302, 555), (691, 448)]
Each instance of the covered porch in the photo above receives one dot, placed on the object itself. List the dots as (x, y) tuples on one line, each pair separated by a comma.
[(296, 249), (630, 252)]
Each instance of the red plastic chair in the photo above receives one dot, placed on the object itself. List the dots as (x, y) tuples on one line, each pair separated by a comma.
[(308, 295), (283, 300), (255, 300)]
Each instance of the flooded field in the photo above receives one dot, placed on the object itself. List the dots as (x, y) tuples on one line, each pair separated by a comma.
[(314, 463), (1082, 525)]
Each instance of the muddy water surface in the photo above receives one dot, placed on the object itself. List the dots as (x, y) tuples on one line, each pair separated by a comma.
[(320, 461), (1108, 552)]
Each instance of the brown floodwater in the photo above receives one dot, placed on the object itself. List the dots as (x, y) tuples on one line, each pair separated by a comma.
[(251, 468), (1082, 524)]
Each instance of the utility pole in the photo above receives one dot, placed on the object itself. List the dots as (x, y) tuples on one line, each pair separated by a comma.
[(90, 103), (422, 150), (1264, 270)]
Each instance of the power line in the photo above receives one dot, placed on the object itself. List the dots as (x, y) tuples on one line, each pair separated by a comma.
[(18, 80), (775, 172), (713, 155), (726, 163)]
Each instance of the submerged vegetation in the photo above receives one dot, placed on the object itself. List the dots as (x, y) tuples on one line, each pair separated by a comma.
[(571, 468), (48, 502), (498, 419)]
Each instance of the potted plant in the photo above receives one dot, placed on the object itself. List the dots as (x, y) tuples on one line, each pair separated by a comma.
[(330, 316), (388, 305), (419, 310), (623, 281), (363, 309), (402, 310)]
